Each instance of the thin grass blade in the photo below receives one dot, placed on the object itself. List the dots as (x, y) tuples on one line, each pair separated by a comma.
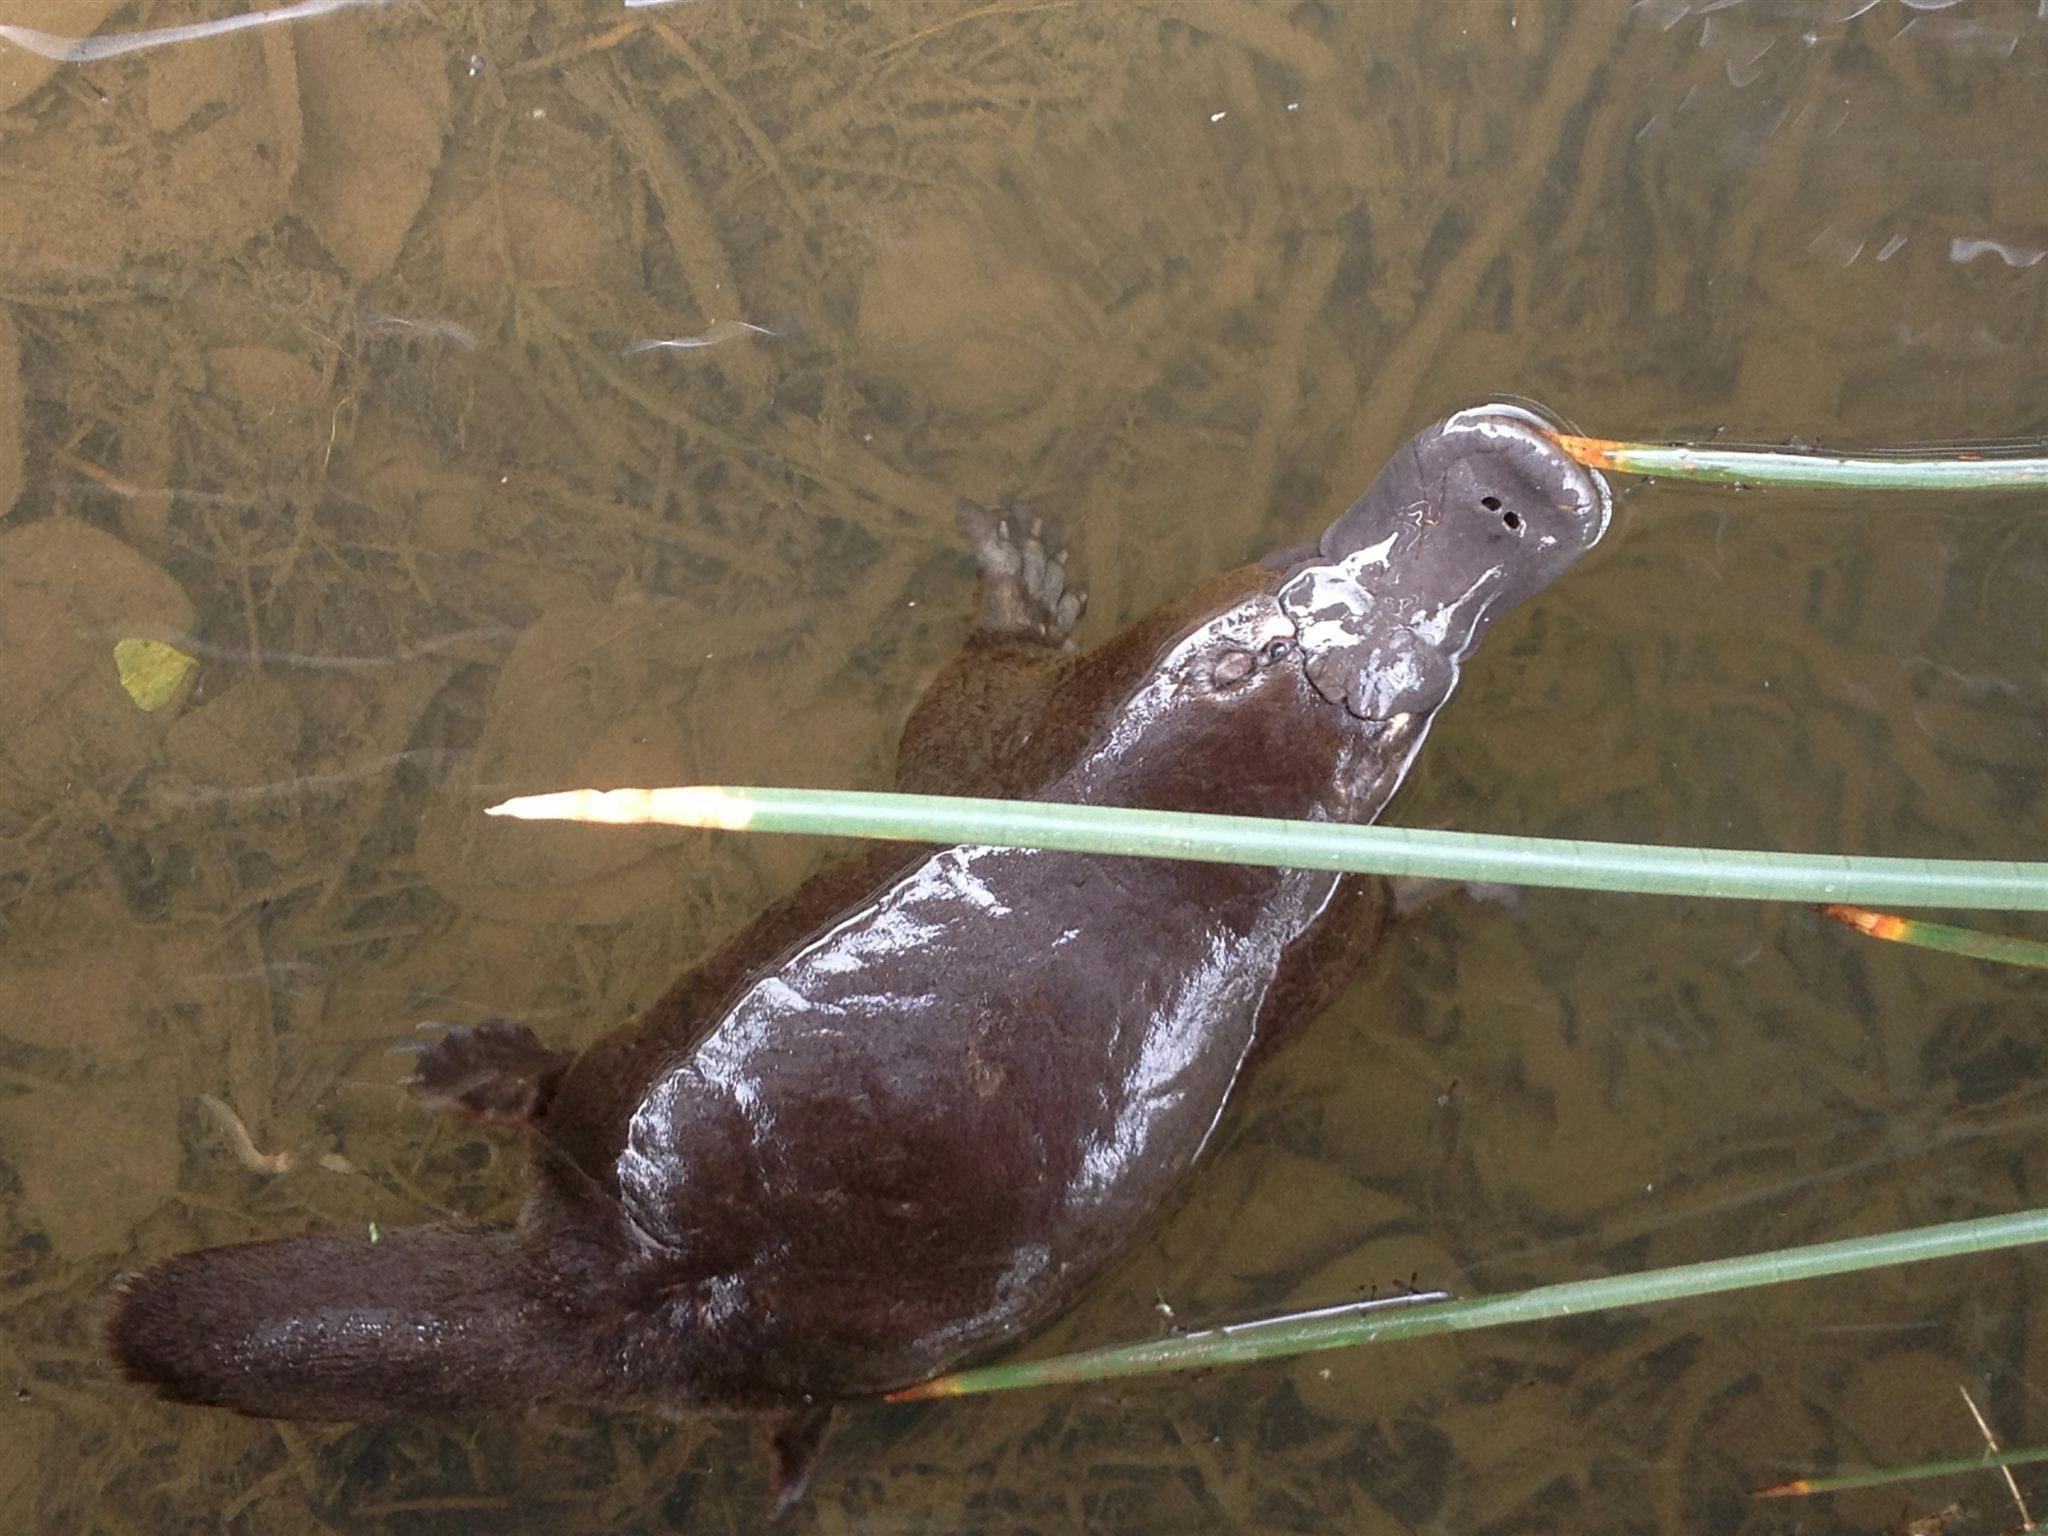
[(1345, 1327), (1877, 1477), (1974, 943), (1468, 856)]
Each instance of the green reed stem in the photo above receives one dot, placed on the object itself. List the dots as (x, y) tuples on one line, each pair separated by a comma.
[(1341, 1328), (1752, 466), (1469, 856), (1877, 1477)]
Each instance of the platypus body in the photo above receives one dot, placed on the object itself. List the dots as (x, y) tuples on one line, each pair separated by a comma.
[(907, 1113)]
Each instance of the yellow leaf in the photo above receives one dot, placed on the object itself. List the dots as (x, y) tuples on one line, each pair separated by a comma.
[(156, 675)]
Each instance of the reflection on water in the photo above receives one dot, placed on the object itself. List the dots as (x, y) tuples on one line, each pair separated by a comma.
[(386, 339)]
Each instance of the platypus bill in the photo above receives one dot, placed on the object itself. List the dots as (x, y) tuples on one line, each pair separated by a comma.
[(906, 1114)]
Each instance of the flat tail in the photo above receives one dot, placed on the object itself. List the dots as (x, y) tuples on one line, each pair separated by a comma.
[(427, 1320)]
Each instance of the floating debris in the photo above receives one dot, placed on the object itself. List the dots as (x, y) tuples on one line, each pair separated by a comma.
[(1991, 1445), (719, 332), (239, 1141), (254, 1158), (88, 50), (405, 325), (1970, 39), (156, 675), (1837, 245), (1961, 251)]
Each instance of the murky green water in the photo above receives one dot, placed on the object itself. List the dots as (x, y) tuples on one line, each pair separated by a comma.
[(320, 338)]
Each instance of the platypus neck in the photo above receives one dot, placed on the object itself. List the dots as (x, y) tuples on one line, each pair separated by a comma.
[(1289, 756)]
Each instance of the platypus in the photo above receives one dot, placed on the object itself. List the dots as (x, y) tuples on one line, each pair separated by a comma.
[(907, 1113)]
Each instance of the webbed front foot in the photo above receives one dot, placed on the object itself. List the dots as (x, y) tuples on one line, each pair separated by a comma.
[(496, 1070), (1024, 591)]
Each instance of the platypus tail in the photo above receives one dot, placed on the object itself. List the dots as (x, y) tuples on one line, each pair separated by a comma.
[(438, 1319)]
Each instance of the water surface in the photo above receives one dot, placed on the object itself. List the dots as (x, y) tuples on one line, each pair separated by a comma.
[(320, 353)]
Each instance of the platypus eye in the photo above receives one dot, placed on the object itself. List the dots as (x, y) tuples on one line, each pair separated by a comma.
[(1231, 667), (1277, 651)]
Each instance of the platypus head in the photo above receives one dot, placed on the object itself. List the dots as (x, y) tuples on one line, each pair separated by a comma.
[(1469, 518), (1307, 687)]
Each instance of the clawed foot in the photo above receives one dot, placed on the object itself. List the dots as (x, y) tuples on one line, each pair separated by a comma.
[(495, 1070), (1024, 593)]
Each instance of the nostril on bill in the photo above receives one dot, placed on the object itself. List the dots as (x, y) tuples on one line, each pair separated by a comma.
[(1531, 440)]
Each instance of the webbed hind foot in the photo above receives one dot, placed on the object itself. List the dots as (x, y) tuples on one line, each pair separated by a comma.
[(1024, 592), (496, 1070), (796, 1438)]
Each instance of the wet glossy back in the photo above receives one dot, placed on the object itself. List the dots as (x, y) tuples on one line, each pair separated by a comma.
[(921, 1128), (927, 1127)]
